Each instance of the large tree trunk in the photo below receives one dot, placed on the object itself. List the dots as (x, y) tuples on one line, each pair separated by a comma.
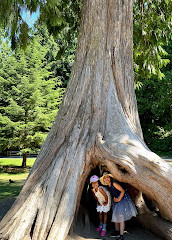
[(97, 124)]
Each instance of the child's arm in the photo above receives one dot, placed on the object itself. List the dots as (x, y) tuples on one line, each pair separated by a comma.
[(117, 186), (105, 195), (94, 195)]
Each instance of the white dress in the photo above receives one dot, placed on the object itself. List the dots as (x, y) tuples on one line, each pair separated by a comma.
[(101, 200)]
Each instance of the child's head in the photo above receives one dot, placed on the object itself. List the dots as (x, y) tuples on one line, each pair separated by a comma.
[(94, 181), (106, 178)]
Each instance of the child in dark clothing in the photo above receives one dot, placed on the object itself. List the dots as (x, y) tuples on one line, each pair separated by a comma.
[(123, 206)]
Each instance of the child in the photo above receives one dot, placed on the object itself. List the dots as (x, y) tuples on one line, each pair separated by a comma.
[(104, 203), (123, 206)]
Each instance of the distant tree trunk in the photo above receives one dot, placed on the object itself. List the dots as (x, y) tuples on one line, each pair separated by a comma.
[(24, 160), (97, 124), (25, 140)]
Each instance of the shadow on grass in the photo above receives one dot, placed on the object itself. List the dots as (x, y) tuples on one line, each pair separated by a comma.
[(12, 180), (11, 169), (10, 189)]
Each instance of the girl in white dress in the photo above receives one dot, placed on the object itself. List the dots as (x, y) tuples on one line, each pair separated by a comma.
[(103, 199)]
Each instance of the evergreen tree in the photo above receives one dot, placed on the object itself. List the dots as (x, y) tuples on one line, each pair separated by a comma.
[(30, 94), (154, 105)]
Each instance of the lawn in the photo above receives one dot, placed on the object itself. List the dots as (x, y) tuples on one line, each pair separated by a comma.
[(16, 162), (10, 168), (11, 189)]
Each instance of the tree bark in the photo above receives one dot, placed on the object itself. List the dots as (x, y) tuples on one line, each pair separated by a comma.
[(97, 123), (24, 160)]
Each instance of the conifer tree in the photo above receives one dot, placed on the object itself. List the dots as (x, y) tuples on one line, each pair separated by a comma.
[(30, 94)]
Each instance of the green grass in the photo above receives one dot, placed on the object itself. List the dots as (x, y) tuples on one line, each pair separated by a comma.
[(11, 189), (11, 169), (16, 162)]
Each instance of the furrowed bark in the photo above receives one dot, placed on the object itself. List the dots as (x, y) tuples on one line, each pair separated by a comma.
[(97, 124)]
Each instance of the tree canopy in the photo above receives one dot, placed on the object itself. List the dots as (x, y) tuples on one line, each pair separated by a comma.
[(152, 28)]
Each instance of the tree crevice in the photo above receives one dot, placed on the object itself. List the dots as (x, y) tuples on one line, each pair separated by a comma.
[(33, 225)]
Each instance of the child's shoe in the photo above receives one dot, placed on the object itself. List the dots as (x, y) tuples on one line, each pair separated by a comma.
[(99, 229), (103, 233), (115, 233), (121, 237)]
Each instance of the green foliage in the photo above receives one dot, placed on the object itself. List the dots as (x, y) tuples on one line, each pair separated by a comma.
[(56, 14), (152, 30), (65, 32), (30, 93), (65, 56), (154, 104)]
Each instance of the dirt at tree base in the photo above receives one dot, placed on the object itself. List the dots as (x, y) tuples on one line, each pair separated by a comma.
[(134, 231), (5, 205), (137, 233)]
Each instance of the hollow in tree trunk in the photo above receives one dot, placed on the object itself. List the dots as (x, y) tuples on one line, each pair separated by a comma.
[(97, 124)]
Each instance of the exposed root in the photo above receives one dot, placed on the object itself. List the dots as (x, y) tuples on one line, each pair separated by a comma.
[(153, 223)]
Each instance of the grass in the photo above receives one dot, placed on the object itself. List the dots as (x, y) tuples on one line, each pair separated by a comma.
[(10, 168), (11, 189), (16, 162)]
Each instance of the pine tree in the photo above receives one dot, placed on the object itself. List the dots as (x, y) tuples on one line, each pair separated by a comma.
[(30, 94)]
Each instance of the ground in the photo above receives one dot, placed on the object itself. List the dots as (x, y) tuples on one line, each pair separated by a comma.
[(10, 191), (134, 231)]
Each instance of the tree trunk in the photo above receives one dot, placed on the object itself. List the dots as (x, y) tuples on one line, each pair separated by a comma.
[(24, 160), (97, 124)]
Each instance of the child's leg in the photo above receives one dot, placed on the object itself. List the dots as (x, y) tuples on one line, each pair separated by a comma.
[(115, 232), (100, 217), (105, 218), (101, 222), (122, 227), (117, 226), (104, 221)]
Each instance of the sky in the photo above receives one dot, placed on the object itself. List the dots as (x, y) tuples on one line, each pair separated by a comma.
[(30, 19)]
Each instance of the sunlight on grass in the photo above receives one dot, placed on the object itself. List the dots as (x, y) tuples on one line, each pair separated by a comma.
[(11, 169), (15, 177), (16, 162)]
